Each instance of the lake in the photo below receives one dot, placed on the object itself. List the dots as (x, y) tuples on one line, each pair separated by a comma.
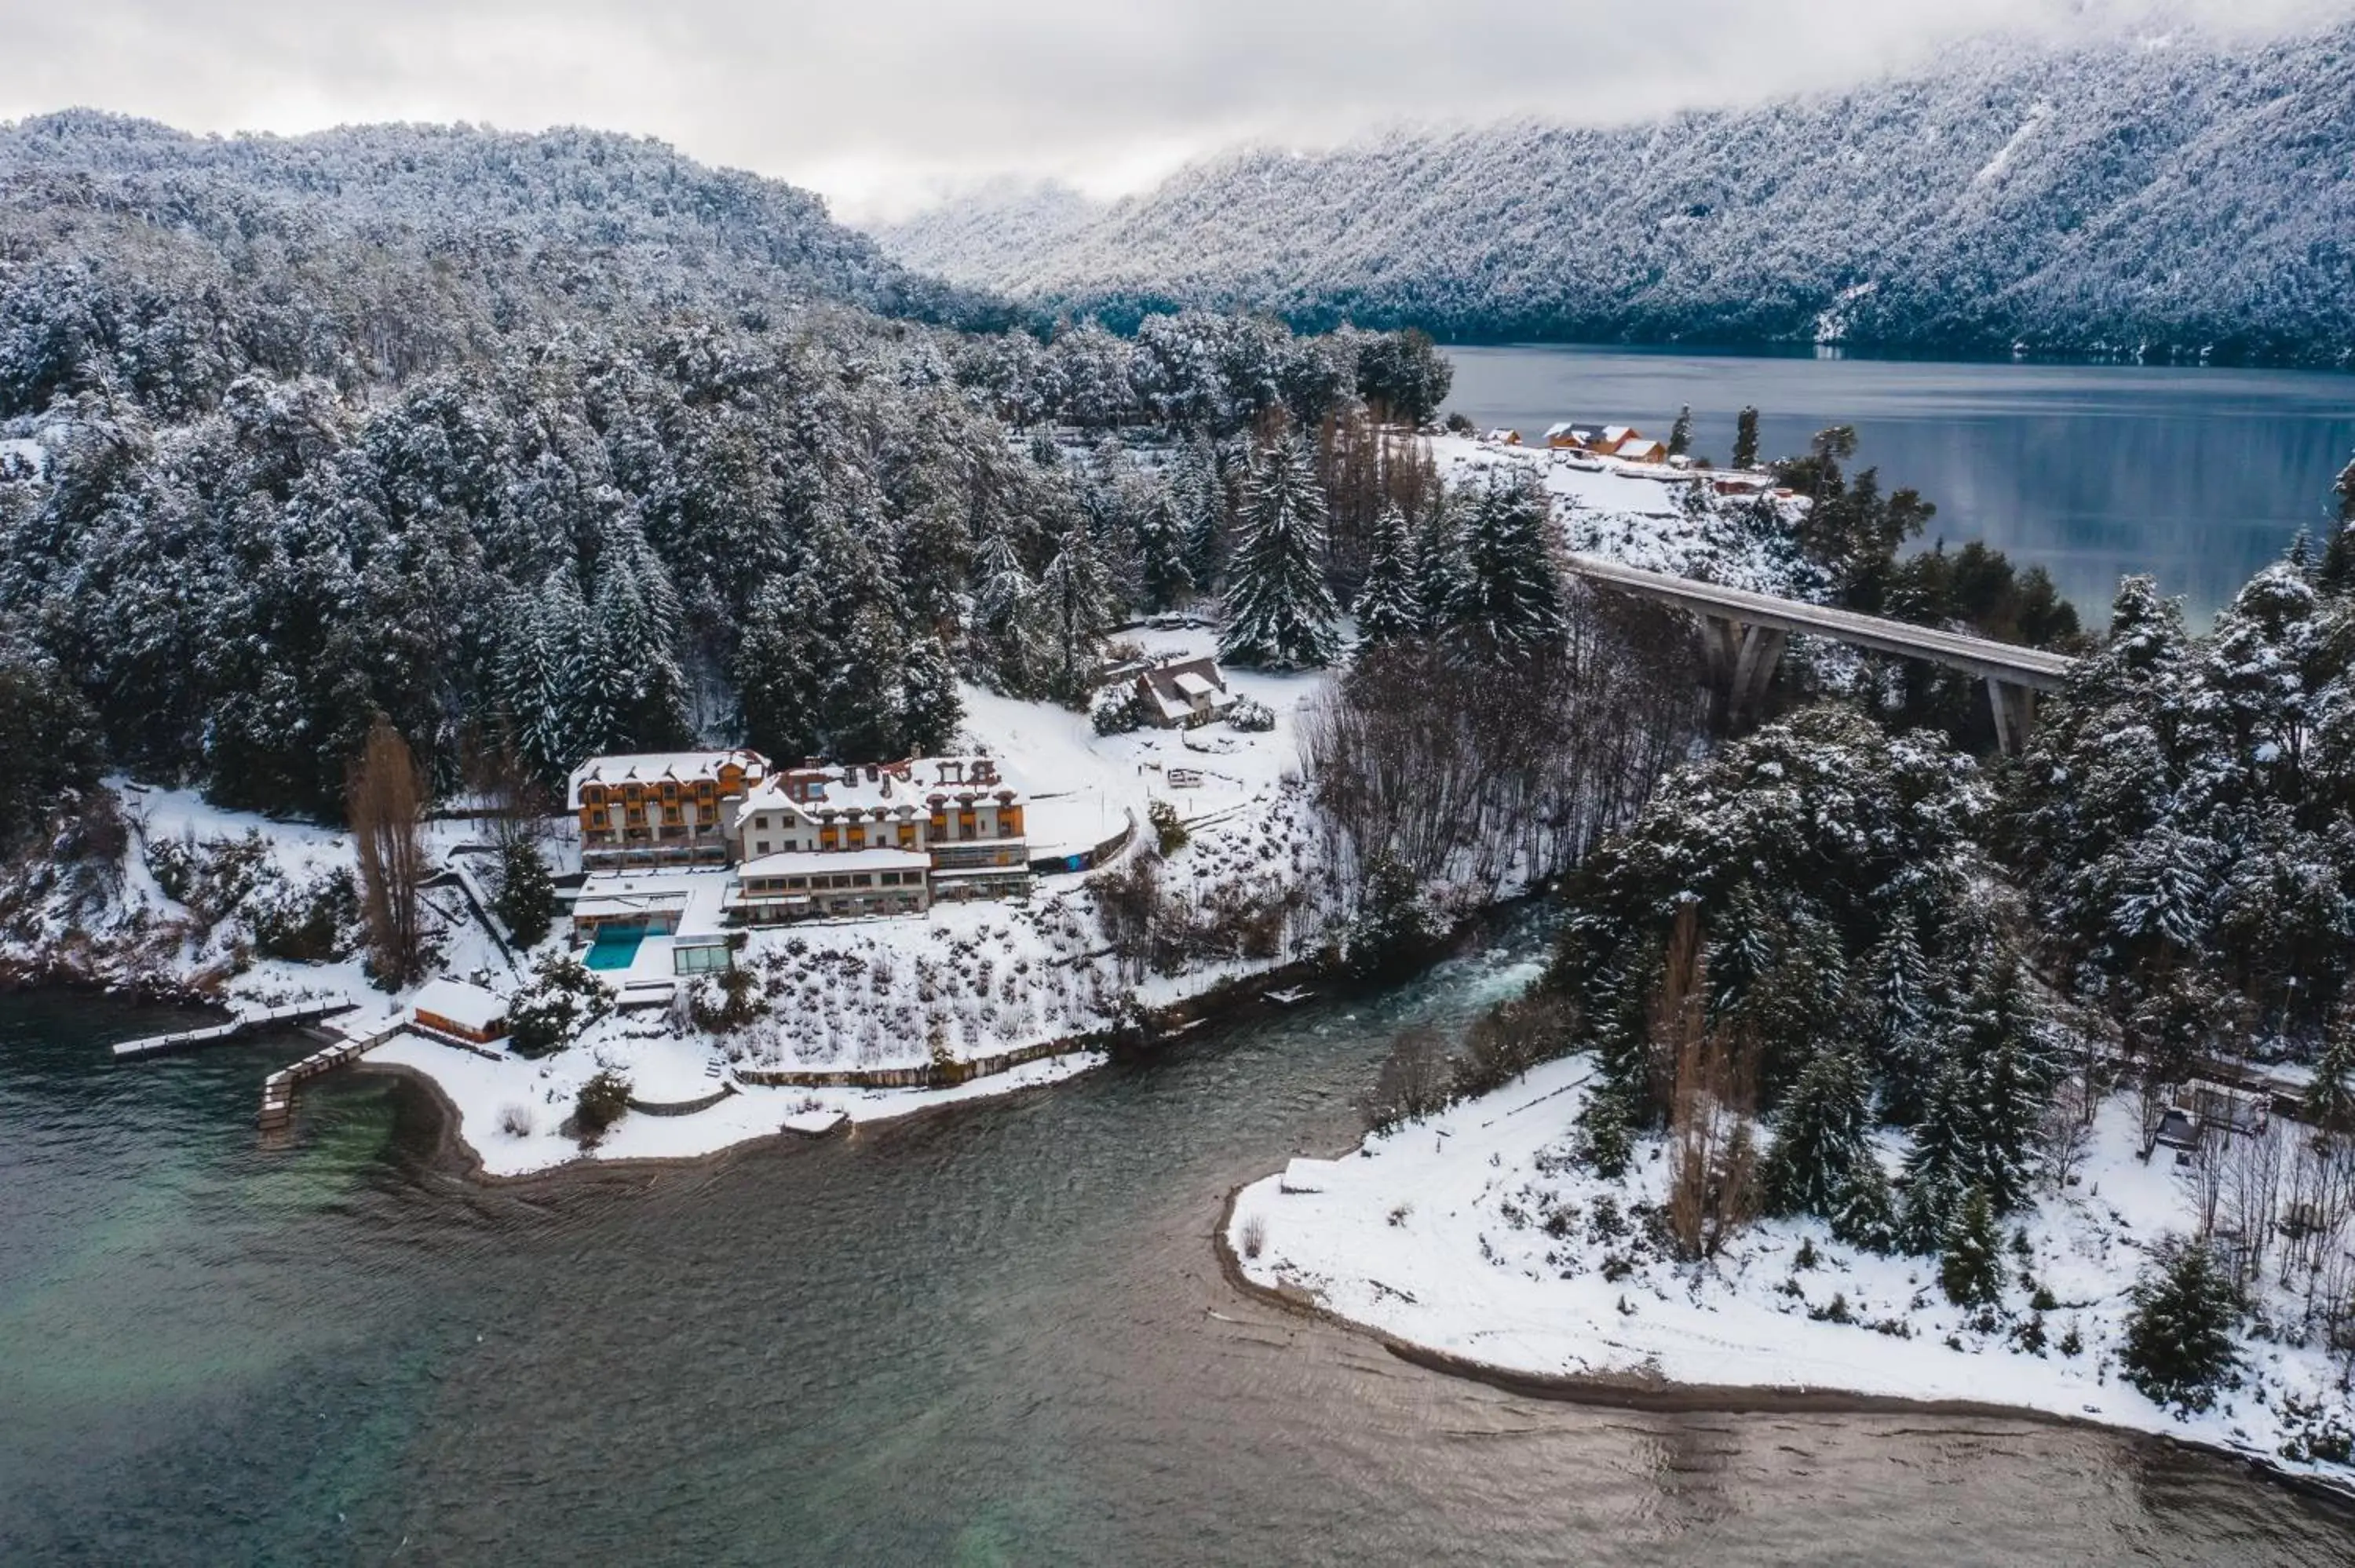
[(993, 1334), (2198, 476)]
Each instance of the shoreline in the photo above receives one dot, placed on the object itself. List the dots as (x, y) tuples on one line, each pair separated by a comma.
[(1659, 1395)]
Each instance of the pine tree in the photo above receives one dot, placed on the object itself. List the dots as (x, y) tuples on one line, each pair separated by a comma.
[(1075, 600), (541, 638), (1166, 577), (2335, 575), (2179, 1346), (1439, 568), (1680, 433), (631, 687), (1008, 635), (1820, 1136), (1197, 492), (1280, 614), (931, 705), (1387, 607), (1745, 439), (526, 899), (1863, 1213), (2330, 1101), (1977, 1126), (779, 669), (1901, 1021), (1509, 601), (1970, 1263)]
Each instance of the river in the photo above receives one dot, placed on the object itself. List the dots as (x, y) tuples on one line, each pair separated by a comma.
[(2199, 476), (996, 1334)]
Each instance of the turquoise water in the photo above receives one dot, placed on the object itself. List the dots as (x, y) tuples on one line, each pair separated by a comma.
[(616, 947), (992, 1334), (2091, 470)]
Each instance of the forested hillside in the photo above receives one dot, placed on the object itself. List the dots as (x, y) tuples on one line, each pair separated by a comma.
[(371, 253), (556, 445), (2153, 196)]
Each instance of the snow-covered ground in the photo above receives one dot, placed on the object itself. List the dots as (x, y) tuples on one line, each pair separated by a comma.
[(1473, 1232), (510, 1111), (964, 981), (1638, 514)]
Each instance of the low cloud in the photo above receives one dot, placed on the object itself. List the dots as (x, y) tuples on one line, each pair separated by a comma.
[(880, 106)]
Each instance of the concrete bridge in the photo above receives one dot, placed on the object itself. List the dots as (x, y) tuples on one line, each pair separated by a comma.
[(1742, 634)]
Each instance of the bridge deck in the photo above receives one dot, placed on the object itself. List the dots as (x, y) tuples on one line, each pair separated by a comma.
[(2004, 662)]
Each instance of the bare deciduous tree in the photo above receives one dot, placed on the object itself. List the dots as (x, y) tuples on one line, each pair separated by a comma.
[(385, 797), (1480, 774), (1712, 1143)]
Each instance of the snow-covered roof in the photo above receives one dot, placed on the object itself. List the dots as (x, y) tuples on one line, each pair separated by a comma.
[(1636, 446), (467, 1006), (626, 904), (901, 791), (1174, 688), (822, 863), (1561, 429), (655, 766), (1614, 434)]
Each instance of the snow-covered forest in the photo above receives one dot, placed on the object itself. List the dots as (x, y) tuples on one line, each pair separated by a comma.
[(2046, 1066), (565, 442), (2159, 195)]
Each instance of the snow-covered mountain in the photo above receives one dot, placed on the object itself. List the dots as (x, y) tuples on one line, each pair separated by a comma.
[(2164, 195), (371, 251)]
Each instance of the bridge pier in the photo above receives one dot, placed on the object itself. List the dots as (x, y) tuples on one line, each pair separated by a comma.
[(2014, 708), (1742, 663)]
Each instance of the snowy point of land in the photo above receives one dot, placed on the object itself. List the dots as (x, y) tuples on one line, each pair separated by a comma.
[(970, 982), (1475, 1233)]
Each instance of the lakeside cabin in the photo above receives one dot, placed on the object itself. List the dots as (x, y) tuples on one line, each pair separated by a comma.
[(455, 1007), (1501, 436), (1185, 694), (1641, 449)]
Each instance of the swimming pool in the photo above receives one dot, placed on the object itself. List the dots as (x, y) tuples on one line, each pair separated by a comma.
[(615, 947)]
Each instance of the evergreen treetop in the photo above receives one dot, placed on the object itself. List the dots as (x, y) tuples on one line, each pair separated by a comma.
[(1280, 613)]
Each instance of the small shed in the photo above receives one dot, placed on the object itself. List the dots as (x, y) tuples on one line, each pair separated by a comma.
[(1501, 436), (468, 1012), (1641, 449)]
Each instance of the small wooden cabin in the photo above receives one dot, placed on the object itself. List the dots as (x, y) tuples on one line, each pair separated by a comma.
[(467, 1011)]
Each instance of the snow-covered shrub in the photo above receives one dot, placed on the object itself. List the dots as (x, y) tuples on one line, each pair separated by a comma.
[(1119, 710), (1251, 715), (1170, 832), (515, 1120), (562, 999), (2180, 1349), (1254, 1236), (724, 1002), (211, 876), (1506, 1041), (1394, 928), (599, 1105), (307, 923), (1413, 1082)]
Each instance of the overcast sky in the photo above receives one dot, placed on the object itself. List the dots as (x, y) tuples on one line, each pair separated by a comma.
[(881, 105)]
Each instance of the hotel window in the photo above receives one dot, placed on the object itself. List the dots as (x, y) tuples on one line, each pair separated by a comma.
[(760, 846)]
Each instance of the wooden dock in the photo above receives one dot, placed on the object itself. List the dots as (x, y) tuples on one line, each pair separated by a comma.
[(244, 1024), (278, 1090)]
